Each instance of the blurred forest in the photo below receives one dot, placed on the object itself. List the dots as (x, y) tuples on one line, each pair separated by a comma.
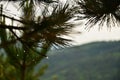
[(92, 61)]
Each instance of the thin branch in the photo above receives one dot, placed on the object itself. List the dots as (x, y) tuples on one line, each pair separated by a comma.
[(26, 44), (14, 19), (12, 27), (15, 35)]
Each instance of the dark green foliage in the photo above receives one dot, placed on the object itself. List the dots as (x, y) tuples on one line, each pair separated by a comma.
[(100, 11), (96, 61), (26, 47)]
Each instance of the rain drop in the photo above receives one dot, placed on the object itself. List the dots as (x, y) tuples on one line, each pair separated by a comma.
[(24, 51), (17, 55), (47, 57)]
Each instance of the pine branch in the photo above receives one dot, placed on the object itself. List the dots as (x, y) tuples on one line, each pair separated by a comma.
[(12, 27), (14, 19), (100, 12)]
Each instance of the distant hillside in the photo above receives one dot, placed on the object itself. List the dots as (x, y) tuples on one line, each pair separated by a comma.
[(93, 61)]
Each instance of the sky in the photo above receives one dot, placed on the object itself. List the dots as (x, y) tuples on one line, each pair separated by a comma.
[(93, 35)]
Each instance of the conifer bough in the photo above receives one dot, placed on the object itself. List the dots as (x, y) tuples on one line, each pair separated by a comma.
[(100, 11)]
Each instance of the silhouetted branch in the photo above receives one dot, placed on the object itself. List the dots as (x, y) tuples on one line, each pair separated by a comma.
[(100, 12), (14, 19), (12, 27)]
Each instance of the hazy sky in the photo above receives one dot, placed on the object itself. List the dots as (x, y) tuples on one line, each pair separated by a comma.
[(94, 34), (88, 36)]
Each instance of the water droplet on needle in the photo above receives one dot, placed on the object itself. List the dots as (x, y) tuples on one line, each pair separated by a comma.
[(47, 57)]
